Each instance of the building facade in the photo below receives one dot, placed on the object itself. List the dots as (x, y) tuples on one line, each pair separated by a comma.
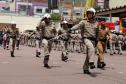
[(4, 5), (116, 3), (29, 7), (99, 4), (106, 4), (72, 8)]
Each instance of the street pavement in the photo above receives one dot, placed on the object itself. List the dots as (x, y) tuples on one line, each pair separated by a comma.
[(25, 68)]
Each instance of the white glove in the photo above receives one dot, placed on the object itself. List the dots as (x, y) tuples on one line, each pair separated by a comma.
[(57, 37)]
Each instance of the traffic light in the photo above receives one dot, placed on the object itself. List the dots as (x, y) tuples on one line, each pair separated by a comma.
[(52, 4)]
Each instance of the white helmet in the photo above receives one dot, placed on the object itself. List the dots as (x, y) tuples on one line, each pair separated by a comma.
[(13, 22), (76, 31), (47, 15), (91, 10), (64, 22)]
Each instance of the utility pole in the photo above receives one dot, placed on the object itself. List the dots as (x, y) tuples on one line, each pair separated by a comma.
[(27, 7), (52, 6), (110, 15), (15, 3), (59, 5), (72, 9)]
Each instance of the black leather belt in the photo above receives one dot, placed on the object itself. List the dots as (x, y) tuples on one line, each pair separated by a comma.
[(47, 38), (90, 38), (37, 38), (13, 37), (103, 40)]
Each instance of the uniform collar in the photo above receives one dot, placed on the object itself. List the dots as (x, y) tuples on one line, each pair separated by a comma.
[(91, 21)]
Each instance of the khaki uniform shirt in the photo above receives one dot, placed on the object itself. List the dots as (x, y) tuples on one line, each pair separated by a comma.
[(47, 31), (120, 38), (113, 38), (87, 29), (64, 34), (103, 34)]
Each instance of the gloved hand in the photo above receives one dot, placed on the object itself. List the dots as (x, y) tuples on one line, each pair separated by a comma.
[(29, 38), (56, 38), (69, 31)]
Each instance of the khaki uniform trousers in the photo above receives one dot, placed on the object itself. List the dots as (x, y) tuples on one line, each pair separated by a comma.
[(12, 44), (47, 49), (64, 45), (38, 45), (101, 49), (90, 53)]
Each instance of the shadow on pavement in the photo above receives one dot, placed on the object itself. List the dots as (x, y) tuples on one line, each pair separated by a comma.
[(94, 74), (17, 56), (55, 66), (109, 68)]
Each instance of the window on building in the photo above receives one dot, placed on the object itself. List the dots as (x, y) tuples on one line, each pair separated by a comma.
[(65, 13), (52, 4), (23, 7), (3, 0), (38, 10), (48, 10), (77, 14)]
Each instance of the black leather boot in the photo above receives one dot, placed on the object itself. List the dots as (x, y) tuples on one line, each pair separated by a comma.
[(87, 72), (12, 54), (64, 58), (38, 54), (47, 66), (46, 59), (101, 65), (91, 64)]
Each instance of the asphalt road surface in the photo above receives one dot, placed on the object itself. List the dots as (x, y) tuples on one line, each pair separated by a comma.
[(25, 68)]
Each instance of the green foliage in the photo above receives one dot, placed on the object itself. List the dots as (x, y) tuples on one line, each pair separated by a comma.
[(55, 17)]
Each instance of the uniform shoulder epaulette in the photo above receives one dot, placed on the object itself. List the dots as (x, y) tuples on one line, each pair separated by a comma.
[(84, 19)]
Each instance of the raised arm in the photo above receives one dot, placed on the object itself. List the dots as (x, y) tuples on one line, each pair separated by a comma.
[(78, 26)]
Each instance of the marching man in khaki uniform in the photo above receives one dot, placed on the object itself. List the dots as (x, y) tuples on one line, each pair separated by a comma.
[(13, 36), (120, 39), (89, 32), (48, 32), (38, 37), (112, 42), (64, 40), (38, 42), (103, 32)]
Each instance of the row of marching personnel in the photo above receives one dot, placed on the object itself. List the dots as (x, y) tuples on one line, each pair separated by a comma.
[(86, 36), (6, 40), (116, 43), (75, 44)]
